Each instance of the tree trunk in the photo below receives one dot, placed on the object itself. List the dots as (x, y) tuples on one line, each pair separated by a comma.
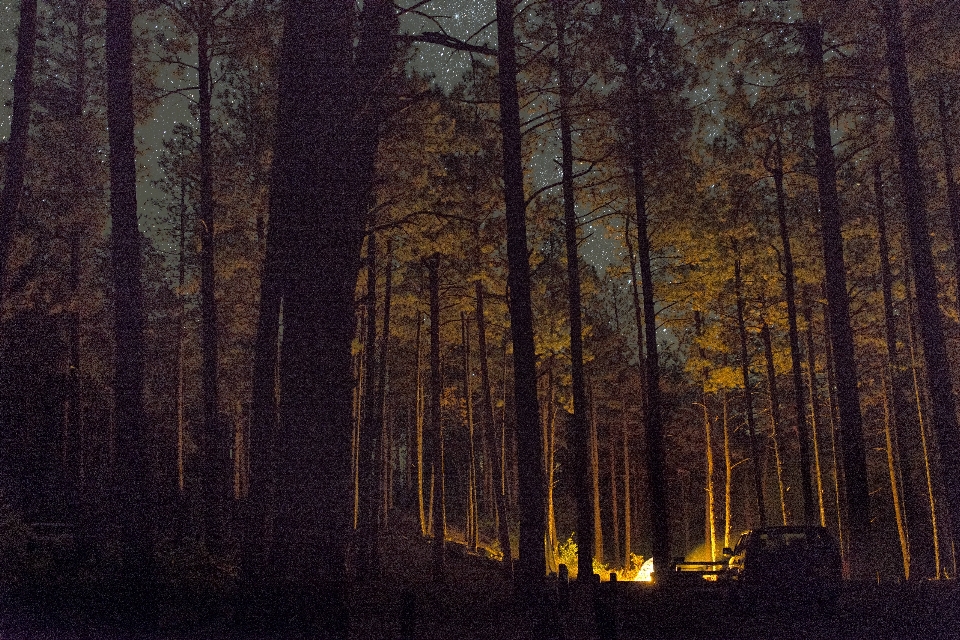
[(471, 532), (814, 411), (580, 450), (806, 486), (381, 422), (500, 499), (16, 155), (939, 377), (748, 396), (438, 515), (627, 523), (656, 448), (368, 445), (953, 193), (931, 482), (131, 499), (836, 468), (915, 544), (181, 330), (595, 476), (613, 446), (775, 421), (214, 484), (728, 474), (853, 454), (323, 82), (419, 410), (531, 566)]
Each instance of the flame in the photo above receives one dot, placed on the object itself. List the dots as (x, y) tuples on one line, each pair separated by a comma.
[(645, 574)]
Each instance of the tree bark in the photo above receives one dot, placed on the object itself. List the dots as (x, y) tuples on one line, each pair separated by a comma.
[(578, 425), (16, 156), (131, 497), (500, 499), (613, 450), (814, 411), (775, 421), (748, 396), (953, 193), (595, 476), (472, 530), (853, 453), (531, 565), (368, 444), (803, 439), (656, 448), (939, 377), (381, 422), (728, 474), (438, 515)]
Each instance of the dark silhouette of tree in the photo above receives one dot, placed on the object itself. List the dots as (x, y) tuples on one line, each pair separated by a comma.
[(130, 495), (531, 564), (16, 154)]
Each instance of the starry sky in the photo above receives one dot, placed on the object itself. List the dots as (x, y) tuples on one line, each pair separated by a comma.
[(462, 19)]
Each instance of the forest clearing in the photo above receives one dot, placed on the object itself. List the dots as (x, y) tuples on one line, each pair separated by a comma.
[(371, 319)]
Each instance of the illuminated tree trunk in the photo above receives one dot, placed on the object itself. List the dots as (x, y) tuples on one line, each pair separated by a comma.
[(728, 473), (595, 476), (953, 193), (902, 441), (774, 416), (438, 512), (496, 449), (748, 396), (836, 468), (929, 470), (939, 376), (381, 422), (815, 421), (711, 513), (613, 448), (472, 530), (627, 537), (803, 440), (418, 418)]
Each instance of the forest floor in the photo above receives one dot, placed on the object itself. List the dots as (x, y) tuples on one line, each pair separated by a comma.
[(476, 602)]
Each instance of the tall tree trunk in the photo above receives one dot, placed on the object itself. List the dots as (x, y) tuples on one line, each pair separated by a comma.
[(438, 515), (853, 453), (915, 544), (181, 331), (627, 521), (324, 98), (926, 448), (953, 193), (131, 499), (775, 421), (419, 410), (214, 487), (836, 467), (748, 396), (711, 513), (806, 486), (368, 445), (531, 566), (595, 477), (580, 450), (814, 411), (728, 473), (496, 457), (471, 532), (380, 420), (613, 449), (656, 448), (939, 377), (16, 156)]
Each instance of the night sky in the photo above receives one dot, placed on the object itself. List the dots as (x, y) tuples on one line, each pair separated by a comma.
[(459, 18)]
